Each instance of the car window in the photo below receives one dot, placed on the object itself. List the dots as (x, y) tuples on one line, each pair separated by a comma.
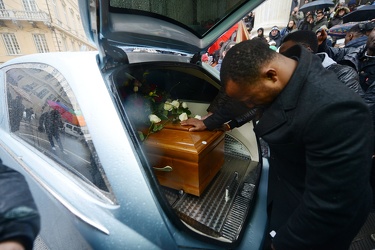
[(200, 16), (187, 83), (44, 113)]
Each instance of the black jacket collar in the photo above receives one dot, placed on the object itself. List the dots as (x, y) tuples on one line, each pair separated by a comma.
[(275, 114)]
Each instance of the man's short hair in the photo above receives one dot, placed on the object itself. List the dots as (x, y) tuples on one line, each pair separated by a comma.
[(306, 38), (243, 62), (358, 28)]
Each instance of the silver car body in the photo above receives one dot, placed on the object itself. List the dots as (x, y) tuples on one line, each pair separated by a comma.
[(126, 210)]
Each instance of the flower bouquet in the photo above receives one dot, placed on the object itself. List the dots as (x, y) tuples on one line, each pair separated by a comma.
[(150, 108), (162, 112)]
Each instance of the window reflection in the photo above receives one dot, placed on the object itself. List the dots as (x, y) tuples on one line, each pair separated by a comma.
[(43, 112)]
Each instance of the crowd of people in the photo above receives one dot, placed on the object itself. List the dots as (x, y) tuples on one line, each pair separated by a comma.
[(313, 104), (309, 20)]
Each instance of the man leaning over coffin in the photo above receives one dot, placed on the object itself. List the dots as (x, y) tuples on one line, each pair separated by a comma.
[(319, 133)]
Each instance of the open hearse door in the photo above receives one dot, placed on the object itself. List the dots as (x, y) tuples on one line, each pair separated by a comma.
[(208, 183)]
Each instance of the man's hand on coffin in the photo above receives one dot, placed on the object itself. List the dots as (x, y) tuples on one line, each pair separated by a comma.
[(197, 124)]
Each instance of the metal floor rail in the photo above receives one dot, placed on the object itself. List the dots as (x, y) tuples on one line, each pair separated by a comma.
[(222, 209)]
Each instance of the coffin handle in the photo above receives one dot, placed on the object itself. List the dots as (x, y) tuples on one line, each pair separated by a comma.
[(164, 169)]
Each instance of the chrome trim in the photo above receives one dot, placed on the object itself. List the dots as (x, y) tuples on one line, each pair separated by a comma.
[(58, 197), (164, 169)]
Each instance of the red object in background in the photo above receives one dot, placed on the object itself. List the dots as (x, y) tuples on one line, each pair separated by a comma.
[(67, 113), (223, 38)]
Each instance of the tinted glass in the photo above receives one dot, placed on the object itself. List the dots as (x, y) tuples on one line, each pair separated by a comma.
[(184, 83), (198, 15), (44, 113)]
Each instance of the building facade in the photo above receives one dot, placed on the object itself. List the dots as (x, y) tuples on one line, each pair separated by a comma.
[(40, 26)]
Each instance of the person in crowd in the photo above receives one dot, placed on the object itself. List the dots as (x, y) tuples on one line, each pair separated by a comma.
[(260, 34), (19, 217), (249, 21), (355, 36), (363, 60), (16, 113), (291, 27), (308, 23), (297, 16), (309, 40), (216, 54), (52, 123), (205, 58), (320, 21), (306, 1), (318, 193), (275, 35), (294, 4), (338, 16), (29, 113), (224, 49), (352, 5)]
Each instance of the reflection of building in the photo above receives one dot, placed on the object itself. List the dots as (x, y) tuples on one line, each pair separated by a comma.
[(40, 26), (33, 82)]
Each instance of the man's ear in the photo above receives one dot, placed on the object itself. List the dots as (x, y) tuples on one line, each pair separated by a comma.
[(350, 36), (271, 74)]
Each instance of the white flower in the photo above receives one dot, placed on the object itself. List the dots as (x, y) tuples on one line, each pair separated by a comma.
[(184, 105), (154, 118), (198, 117), (183, 117), (168, 106), (176, 104)]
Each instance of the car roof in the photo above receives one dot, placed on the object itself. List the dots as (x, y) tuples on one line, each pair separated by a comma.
[(189, 26)]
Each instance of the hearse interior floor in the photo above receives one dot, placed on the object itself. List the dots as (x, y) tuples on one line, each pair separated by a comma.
[(222, 209)]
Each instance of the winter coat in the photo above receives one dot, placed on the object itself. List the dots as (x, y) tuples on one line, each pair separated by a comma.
[(358, 42), (317, 130), (19, 218), (305, 25), (335, 21), (51, 121), (354, 57), (344, 73), (285, 31), (365, 66), (276, 38), (318, 24)]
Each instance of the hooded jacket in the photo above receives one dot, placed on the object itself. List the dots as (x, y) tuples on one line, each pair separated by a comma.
[(277, 38)]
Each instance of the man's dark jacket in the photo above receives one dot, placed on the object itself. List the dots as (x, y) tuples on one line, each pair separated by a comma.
[(365, 66), (358, 42), (19, 218), (319, 135)]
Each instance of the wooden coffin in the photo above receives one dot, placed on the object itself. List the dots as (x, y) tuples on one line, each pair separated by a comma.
[(185, 160)]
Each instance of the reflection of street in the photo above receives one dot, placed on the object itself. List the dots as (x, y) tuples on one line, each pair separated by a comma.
[(76, 154)]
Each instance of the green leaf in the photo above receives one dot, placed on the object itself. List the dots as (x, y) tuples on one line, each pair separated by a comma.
[(141, 136), (157, 127)]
